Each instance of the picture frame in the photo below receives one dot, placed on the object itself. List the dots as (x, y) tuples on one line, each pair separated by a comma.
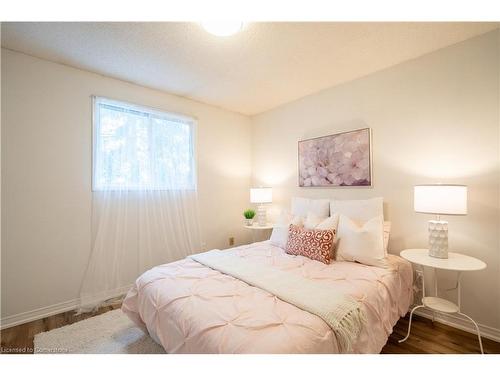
[(337, 160)]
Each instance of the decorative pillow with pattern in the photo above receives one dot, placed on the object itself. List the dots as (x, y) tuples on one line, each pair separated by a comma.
[(315, 244)]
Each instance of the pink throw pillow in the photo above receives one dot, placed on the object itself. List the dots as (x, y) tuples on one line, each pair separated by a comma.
[(314, 244)]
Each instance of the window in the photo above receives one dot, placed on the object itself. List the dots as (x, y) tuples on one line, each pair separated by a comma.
[(137, 148)]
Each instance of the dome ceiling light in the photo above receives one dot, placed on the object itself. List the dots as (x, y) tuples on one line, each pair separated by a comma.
[(222, 27)]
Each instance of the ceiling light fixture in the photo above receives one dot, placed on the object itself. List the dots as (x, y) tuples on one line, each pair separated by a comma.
[(222, 27)]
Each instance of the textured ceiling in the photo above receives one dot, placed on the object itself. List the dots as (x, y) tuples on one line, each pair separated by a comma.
[(263, 66)]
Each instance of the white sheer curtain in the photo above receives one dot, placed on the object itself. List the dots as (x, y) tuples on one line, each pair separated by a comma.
[(145, 208)]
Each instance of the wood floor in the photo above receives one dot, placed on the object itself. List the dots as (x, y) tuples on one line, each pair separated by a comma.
[(426, 336), (429, 337)]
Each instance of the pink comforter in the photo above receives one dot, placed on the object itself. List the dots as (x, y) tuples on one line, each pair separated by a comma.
[(189, 308)]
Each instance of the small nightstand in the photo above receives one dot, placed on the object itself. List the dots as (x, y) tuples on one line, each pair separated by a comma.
[(257, 228), (454, 262)]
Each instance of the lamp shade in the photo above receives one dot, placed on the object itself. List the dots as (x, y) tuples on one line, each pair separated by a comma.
[(441, 199), (261, 195)]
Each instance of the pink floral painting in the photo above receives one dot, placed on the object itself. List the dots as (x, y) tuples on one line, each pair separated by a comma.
[(342, 159)]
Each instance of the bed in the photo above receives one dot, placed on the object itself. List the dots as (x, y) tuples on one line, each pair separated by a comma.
[(190, 308)]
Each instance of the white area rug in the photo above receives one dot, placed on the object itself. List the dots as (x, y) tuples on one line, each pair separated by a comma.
[(111, 332)]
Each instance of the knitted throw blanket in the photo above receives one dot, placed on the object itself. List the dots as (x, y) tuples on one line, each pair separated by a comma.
[(341, 312)]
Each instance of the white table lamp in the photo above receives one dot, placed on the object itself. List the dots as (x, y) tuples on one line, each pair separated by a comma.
[(261, 196), (440, 200)]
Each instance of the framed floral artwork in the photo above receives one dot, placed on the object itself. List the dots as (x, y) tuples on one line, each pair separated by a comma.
[(342, 159)]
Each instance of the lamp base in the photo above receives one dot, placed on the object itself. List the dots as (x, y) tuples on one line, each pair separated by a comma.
[(438, 239), (261, 215)]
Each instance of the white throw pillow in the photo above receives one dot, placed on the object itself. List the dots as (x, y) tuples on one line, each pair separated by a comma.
[(360, 210), (312, 220), (295, 220), (330, 223), (279, 235), (302, 206), (362, 243)]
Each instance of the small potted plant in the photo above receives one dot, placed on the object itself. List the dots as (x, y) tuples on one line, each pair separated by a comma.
[(249, 215)]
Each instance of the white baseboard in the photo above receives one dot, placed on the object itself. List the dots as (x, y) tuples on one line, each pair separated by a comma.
[(461, 323), (43, 312)]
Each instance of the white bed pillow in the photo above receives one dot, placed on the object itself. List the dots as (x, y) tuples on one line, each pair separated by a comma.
[(302, 206), (362, 243), (360, 210)]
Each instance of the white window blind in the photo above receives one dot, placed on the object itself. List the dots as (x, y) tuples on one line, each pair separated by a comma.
[(138, 148)]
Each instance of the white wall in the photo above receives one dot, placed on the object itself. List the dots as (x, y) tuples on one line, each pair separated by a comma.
[(434, 119), (46, 175)]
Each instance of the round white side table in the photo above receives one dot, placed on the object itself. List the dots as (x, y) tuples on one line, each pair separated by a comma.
[(257, 228), (454, 262)]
